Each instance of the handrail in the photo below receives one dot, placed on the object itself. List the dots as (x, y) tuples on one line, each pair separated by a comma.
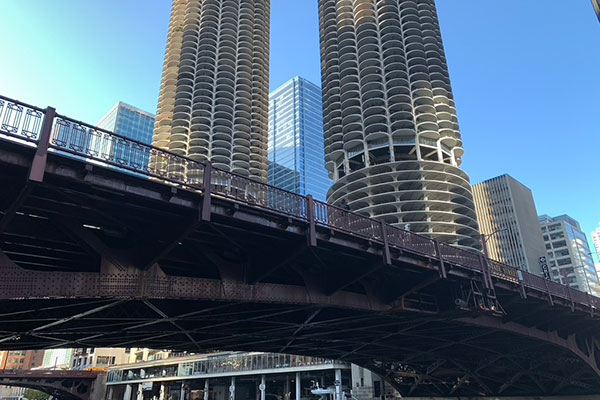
[(83, 141)]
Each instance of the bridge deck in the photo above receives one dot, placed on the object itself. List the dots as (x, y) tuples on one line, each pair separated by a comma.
[(95, 257)]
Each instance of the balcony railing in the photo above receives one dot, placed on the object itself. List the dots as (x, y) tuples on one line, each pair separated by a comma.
[(69, 137)]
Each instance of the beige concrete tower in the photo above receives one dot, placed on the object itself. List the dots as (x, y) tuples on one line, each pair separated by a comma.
[(393, 145), (214, 96)]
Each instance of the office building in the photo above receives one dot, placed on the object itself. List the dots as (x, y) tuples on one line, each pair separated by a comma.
[(393, 143), (569, 255), (20, 359), (296, 141), (57, 359), (596, 240), (98, 358), (509, 223), (132, 123), (222, 376), (214, 95)]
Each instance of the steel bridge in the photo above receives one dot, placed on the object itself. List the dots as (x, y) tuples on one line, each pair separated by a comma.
[(63, 385), (102, 244)]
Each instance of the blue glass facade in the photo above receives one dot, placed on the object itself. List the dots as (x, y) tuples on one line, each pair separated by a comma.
[(132, 123), (296, 139)]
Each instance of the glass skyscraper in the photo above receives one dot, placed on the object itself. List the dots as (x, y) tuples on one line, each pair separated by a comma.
[(569, 254), (296, 141), (132, 123)]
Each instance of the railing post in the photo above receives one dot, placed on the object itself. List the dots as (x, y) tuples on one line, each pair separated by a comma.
[(38, 165), (206, 188), (387, 258), (487, 279), (310, 215), (443, 272)]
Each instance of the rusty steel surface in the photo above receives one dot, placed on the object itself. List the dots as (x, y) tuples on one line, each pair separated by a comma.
[(97, 254)]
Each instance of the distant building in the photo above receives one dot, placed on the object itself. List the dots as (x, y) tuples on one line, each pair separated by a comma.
[(296, 139), (229, 375), (569, 254), (12, 360), (132, 123), (57, 359), (94, 358), (509, 223), (596, 240)]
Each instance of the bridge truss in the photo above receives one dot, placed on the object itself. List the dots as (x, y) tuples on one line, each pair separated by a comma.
[(99, 250)]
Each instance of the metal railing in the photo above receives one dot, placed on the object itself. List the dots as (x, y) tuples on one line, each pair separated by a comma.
[(95, 145)]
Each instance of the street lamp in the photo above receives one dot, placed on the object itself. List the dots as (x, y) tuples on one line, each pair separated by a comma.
[(486, 238)]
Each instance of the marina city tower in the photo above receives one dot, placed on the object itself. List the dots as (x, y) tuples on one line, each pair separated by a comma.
[(392, 141), (214, 96)]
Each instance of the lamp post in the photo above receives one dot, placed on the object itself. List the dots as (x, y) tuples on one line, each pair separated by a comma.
[(486, 238)]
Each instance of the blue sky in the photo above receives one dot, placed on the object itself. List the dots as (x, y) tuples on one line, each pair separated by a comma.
[(525, 73)]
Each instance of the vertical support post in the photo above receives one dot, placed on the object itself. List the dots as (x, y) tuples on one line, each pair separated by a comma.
[(263, 388), (487, 280), (387, 258), (338, 384), (298, 386), (550, 300), (232, 388), (568, 291), (38, 165), (206, 389), (140, 392), (127, 393), (310, 215), (161, 394), (182, 392), (206, 187), (109, 393), (443, 272)]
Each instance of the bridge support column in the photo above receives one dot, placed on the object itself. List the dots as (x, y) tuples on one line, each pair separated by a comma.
[(298, 386), (206, 387), (109, 393), (182, 391), (338, 384), (127, 394)]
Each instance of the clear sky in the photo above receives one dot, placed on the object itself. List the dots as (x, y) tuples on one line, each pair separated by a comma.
[(525, 73)]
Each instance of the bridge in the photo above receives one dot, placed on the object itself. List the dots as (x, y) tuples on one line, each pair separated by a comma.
[(63, 385), (105, 243)]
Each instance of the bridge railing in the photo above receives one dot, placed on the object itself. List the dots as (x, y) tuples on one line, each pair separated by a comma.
[(20, 120), (98, 146)]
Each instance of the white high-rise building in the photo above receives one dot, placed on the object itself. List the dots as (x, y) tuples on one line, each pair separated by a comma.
[(392, 142), (509, 223), (569, 254), (214, 96)]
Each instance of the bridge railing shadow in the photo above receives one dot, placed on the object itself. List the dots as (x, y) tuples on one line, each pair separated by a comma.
[(25, 124)]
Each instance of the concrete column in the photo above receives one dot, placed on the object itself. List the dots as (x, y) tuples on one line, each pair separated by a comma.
[(263, 388), (206, 387), (182, 392), (140, 392), (128, 390), (232, 388), (286, 388), (298, 386), (338, 384), (161, 394), (109, 393)]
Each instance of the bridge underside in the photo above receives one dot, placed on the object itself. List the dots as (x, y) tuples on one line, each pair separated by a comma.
[(96, 258), (420, 355), (61, 389)]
